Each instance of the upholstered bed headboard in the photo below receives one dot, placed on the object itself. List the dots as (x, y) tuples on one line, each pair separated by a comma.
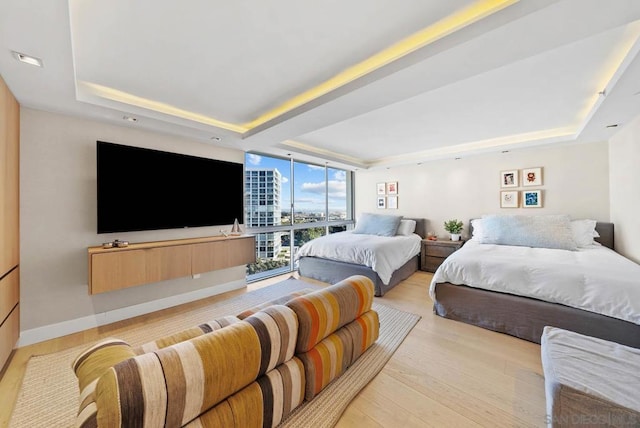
[(605, 230), (421, 226)]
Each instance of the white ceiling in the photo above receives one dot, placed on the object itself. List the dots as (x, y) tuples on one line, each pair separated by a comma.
[(530, 72)]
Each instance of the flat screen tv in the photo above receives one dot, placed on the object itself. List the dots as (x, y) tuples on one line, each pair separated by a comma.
[(144, 189)]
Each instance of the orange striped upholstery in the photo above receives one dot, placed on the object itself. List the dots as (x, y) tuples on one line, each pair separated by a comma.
[(279, 301), (324, 311), (264, 403), (332, 356)]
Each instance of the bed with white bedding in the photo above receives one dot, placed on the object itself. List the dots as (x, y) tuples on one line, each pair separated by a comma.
[(517, 289), (386, 260)]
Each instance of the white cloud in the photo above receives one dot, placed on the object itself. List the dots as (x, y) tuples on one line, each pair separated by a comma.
[(315, 167), (254, 159), (340, 175), (337, 189), (284, 179), (313, 187)]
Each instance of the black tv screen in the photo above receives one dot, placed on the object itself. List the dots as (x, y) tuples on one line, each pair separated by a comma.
[(144, 189)]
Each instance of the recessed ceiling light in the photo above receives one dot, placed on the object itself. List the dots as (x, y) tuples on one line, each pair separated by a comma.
[(614, 125), (27, 59), (216, 139), (129, 118)]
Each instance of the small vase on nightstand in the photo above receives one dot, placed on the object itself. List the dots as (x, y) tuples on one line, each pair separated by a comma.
[(455, 236)]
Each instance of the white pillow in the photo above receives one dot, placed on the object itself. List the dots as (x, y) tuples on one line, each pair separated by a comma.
[(583, 232), (406, 228), (476, 225), (377, 224)]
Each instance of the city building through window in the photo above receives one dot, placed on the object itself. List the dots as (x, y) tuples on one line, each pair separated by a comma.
[(288, 203)]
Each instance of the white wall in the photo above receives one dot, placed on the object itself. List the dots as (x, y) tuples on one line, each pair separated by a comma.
[(624, 181), (576, 182), (58, 218)]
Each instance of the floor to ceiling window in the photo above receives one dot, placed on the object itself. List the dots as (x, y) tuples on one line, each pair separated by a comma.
[(288, 203)]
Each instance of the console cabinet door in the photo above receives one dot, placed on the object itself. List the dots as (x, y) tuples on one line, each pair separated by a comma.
[(209, 256), (168, 262), (116, 270), (242, 251)]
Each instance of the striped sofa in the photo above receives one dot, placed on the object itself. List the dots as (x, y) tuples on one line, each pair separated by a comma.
[(249, 370)]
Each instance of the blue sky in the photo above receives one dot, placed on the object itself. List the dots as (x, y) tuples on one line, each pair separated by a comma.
[(309, 191)]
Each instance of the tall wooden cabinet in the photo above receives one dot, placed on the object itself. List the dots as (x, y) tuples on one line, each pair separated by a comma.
[(9, 222)]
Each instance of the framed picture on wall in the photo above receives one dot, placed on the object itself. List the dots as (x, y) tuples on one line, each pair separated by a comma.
[(392, 188), (382, 202), (532, 198), (392, 202), (381, 188), (532, 177), (509, 199), (509, 178)]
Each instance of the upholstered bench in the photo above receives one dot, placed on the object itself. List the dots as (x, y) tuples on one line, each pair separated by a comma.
[(589, 381)]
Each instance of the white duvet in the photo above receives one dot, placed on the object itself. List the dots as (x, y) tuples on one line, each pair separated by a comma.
[(383, 254), (596, 279)]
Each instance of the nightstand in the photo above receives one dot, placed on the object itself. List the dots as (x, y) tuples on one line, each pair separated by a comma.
[(433, 253)]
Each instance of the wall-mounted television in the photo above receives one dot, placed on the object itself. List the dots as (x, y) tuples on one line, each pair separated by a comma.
[(143, 189)]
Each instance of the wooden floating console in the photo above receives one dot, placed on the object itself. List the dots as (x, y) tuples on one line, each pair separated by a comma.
[(116, 268)]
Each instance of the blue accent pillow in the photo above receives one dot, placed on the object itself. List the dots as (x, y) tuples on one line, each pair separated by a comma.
[(546, 231), (377, 224)]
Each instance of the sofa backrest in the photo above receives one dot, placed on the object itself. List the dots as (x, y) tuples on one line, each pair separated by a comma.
[(324, 311), (176, 384), (187, 334)]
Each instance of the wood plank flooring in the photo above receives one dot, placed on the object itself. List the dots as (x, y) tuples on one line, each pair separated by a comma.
[(445, 373)]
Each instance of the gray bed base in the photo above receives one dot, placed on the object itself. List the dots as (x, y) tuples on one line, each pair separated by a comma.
[(333, 271), (525, 317)]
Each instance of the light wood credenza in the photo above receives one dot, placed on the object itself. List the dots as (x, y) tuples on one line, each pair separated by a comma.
[(143, 263)]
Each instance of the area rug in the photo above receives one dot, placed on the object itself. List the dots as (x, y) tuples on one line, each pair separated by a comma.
[(49, 392)]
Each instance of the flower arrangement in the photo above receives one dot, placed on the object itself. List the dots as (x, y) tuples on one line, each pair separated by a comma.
[(453, 226)]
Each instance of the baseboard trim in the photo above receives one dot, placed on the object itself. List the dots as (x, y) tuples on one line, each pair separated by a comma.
[(52, 331)]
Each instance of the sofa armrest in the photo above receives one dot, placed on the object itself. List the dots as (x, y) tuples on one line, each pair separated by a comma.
[(89, 366), (323, 312)]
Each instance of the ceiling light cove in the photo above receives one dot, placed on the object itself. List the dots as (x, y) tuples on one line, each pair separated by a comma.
[(520, 140), (130, 99), (451, 23), (619, 60), (322, 153)]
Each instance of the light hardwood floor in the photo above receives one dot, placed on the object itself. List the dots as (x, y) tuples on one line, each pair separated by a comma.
[(445, 373)]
